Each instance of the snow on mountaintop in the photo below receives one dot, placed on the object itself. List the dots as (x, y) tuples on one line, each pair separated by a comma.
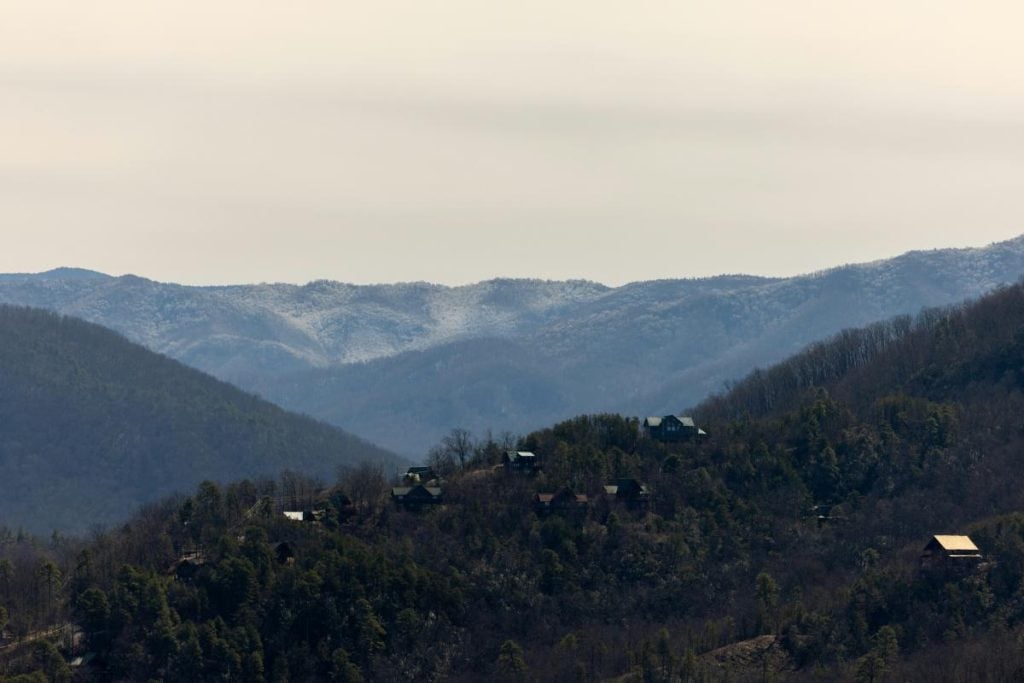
[(507, 354)]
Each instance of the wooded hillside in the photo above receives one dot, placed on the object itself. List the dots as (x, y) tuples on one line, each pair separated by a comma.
[(92, 426), (787, 544)]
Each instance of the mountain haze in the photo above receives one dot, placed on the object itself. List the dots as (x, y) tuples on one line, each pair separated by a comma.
[(506, 354), (92, 426)]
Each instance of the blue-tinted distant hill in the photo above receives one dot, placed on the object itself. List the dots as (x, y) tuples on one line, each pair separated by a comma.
[(402, 364), (92, 426)]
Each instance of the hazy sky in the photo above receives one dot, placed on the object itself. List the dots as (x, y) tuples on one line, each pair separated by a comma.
[(453, 141)]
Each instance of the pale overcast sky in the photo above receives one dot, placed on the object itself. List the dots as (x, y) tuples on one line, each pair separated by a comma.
[(457, 140)]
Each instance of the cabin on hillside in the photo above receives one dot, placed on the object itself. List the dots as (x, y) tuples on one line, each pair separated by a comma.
[(950, 552), (305, 515), (343, 504), (629, 491), (416, 497), (520, 462), (419, 475), (563, 501), (672, 428), (187, 565)]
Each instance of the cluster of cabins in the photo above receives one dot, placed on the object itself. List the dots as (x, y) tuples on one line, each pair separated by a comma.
[(421, 486)]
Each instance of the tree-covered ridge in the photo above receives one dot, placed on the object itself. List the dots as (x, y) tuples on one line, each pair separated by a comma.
[(786, 545), (92, 426), (505, 354)]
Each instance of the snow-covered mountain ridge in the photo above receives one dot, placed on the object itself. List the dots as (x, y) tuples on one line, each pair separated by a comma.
[(504, 354)]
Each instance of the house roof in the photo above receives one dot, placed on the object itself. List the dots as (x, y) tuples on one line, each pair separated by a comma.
[(516, 455), (399, 491), (627, 487), (562, 496), (295, 515), (655, 421), (955, 543)]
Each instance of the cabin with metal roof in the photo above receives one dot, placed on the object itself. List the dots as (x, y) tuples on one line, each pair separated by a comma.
[(420, 475), (416, 497), (629, 491), (949, 551), (305, 515), (520, 462), (672, 428), (563, 501)]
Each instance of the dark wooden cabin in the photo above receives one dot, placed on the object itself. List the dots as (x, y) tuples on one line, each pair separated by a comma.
[(561, 501), (520, 462), (672, 428), (416, 497), (950, 553), (629, 491)]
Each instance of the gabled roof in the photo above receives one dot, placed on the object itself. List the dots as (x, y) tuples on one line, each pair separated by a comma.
[(562, 497), (517, 455), (420, 490), (684, 420), (954, 543)]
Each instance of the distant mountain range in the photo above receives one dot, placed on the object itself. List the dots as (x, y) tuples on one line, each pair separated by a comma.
[(402, 364), (92, 426)]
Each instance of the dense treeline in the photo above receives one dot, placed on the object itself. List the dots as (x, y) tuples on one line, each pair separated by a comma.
[(92, 426), (786, 545)]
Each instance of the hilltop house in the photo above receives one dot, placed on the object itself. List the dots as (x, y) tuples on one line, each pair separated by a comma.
[(520, 462), (672, 428), (420, 475), (415, 497), (629, 491), (948, 552), (562, 501)]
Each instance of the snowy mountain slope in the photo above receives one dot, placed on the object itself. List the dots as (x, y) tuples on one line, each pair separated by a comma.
[(505, 354)]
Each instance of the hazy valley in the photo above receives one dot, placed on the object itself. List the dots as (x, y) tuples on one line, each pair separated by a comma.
[(402, 364)]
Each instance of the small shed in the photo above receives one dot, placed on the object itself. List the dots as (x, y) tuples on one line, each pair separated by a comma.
[(520, 462)]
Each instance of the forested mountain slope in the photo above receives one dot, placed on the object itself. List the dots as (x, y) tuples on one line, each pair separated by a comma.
[(505, 354), (92, 425), (785, 546)]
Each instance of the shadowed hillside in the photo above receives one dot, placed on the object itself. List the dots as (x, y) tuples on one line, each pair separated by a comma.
[(91, 426)]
